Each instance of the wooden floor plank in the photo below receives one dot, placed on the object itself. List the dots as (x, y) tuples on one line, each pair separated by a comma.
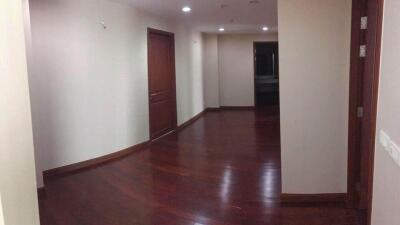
[(223, 169)]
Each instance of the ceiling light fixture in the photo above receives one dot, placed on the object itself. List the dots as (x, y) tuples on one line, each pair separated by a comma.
[(186, 9), (265, 28), (221, 29)]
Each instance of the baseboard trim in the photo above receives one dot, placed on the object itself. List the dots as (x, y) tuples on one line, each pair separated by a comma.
[(180, 127), (212, 109), (237, 107), (191, 121), (76, 167), (228, 108), (314, 199), (64, 170)]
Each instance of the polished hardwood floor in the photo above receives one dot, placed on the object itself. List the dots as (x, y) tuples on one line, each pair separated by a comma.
[(222, 170)]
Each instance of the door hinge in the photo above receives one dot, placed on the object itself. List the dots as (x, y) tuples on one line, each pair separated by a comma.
[(364, 23), (360, 112), (363, 51)]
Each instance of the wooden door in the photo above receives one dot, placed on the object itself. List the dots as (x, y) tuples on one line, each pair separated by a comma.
[(364, 79), (162, 91)]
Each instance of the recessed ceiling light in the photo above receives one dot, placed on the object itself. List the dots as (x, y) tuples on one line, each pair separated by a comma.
[(186, 9), (221, 29), (265, 28)]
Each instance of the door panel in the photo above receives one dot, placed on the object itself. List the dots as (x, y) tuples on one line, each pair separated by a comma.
[(160, 121), (364, 82), (162, 94)]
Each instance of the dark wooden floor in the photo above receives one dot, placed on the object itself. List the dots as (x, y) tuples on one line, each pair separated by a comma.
[(223, 169)]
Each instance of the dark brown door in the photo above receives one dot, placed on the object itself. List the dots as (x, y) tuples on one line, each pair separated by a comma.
[(364, 77), (162, 94)]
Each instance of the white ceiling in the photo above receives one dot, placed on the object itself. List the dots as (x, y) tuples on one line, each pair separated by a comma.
[(236, 16)]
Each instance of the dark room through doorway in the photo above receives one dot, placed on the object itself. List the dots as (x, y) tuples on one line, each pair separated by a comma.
[(266, 74)]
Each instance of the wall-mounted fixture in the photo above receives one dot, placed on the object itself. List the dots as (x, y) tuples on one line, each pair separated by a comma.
[(103, 24), (390, 146), (221, 29), (265, 28)]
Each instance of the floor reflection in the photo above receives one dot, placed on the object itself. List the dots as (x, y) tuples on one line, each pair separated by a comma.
[(222, 170), (226, 185)]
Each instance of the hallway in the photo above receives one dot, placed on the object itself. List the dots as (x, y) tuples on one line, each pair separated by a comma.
[(223, 169)]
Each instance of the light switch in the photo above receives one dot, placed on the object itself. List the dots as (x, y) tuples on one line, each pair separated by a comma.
[(395, 152), (390, 146), (384, 139)]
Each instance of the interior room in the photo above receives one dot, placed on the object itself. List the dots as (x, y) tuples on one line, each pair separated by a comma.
[(236, 112), (266, 72)]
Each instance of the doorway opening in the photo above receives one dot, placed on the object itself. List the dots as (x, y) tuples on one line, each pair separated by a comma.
[(266, 74)]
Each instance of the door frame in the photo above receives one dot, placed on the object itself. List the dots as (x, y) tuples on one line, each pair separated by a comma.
[(172, 37), (362, 146), (255, 66)]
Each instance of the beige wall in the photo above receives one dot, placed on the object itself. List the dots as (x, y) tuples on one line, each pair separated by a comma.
[(314, 46), (211, 70), (236, 67), (17, 168), (386, 197), (89, 85), (1, 212)]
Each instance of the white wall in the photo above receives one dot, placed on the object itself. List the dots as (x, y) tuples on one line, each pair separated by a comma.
[(17, 169), (89, 85), (386, 197), (29, 50), (314, 42), (189, 72), (236, 67), (211, 70)]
